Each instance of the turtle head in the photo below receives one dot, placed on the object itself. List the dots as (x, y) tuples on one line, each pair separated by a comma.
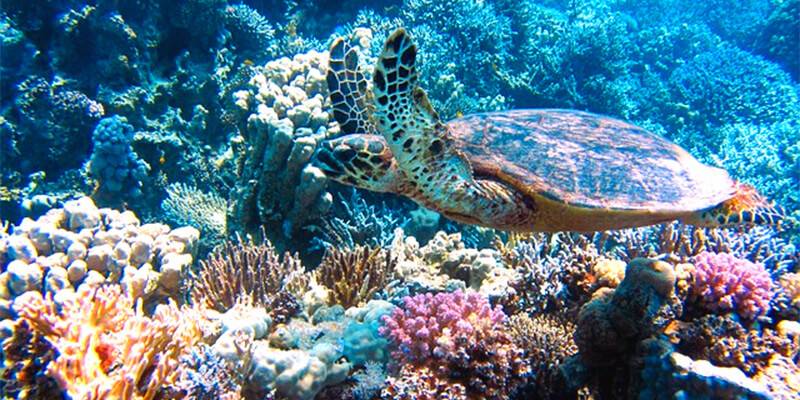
[(360, 160)]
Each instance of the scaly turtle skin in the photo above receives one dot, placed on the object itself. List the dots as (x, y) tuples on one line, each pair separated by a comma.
[(519, 170)]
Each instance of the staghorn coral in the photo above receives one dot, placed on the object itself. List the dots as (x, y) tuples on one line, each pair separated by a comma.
[(555, 268), (106, 346), (355, 275), (461, 339), (547, 341), (206, 376), (242, 269), (354, 222), (722, 283)]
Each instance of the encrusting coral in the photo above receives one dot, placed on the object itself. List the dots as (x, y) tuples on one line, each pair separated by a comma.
[(725, 342), (107, 347), (354, 275), (243, 269)]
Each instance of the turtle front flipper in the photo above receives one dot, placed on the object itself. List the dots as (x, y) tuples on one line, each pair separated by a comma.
[(746, 206), (363, 161), (418, 139), (348, 89)]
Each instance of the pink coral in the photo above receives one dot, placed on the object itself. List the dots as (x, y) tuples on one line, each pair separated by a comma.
[(459, 338), (722, 283), (432, 325)]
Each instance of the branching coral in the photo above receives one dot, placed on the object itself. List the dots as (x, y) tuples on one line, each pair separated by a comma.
[(722, 283), (725, 85), (461, 339), (547, 341), (354, 222), (109, 348), (241, 269), (355, 275)]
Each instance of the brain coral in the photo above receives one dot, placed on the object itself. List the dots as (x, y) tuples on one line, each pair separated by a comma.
[(725, 283)]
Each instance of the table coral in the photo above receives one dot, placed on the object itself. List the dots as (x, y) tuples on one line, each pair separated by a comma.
[(461, 338), (725, 283)]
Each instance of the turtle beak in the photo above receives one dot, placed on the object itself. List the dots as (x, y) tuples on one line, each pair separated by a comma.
[(326, 160)]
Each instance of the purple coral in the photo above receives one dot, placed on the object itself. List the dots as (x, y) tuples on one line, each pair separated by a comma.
[(725, 283), (432, 325)]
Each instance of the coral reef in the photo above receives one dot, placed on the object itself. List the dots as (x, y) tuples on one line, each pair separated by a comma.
[(206, 113)]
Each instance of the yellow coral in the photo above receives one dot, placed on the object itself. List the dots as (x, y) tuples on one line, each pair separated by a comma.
[(107, 347), (609, 273)]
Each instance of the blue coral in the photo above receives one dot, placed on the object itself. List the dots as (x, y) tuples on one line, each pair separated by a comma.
[(114, 164), (728, 85)]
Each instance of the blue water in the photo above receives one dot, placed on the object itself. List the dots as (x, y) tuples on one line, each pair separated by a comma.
[(215, 114)]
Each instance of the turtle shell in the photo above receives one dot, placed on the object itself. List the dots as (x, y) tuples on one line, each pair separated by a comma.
[(588, 161)]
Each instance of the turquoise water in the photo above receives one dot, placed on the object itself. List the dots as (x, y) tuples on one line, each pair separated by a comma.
[(218, 199)]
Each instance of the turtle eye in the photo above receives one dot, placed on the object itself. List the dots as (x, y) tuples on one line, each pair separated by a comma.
[(344, 153)]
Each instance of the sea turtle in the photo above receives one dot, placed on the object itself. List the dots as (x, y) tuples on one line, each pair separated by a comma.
[(517, 170)]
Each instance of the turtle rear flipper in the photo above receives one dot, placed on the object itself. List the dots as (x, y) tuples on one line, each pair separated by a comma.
[(348, 88), (745, 207)]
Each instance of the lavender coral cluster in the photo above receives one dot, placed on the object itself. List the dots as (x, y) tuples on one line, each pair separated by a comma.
[(723, 283), (456, 338)]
